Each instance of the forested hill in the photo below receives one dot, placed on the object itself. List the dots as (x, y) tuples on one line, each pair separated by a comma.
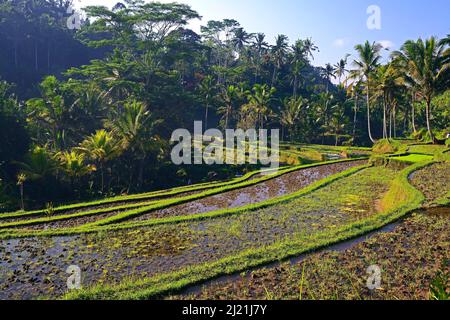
[(35, 41)]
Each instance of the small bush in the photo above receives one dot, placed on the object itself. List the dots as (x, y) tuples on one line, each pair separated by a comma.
[(386, 146), (49, 209)]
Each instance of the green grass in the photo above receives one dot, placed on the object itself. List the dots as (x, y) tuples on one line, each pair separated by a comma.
[(413, 158), (175, 281)]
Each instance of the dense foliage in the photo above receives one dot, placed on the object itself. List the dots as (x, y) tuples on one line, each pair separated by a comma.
[(118, 87)]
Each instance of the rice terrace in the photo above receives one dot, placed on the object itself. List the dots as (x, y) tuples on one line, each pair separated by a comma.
[(352, 202)]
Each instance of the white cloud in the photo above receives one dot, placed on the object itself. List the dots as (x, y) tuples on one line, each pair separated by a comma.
[(339, 43), (386, 44)]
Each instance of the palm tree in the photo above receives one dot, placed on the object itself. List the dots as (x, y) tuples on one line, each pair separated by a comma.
[(340, 68), (386, 82), (309, 48), (133, 127), (241, 39), (297, 64), (328, 73), (100, 147), (425, 65), (337, 123), (74, 165), (323, 111), (290, 114), (259, 101), (207, 89), (40, 163), (260, 46), (366, 64), (229, 97), (354, 91), (279, 51)]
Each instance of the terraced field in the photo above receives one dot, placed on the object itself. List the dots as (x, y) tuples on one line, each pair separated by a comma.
[(156, 244), (411, 254)]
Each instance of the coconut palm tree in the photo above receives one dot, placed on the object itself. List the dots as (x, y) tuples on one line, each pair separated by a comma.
[(260, 46), (207, 89), (298, 63), (309, 48), (241, 39), (279, 52), (365, 65), (386, 81), (340, 68), (354, 91), (425, 65), (229, 96), (328, 73)]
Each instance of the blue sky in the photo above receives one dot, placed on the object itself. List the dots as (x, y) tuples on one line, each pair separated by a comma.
[(334, 25)]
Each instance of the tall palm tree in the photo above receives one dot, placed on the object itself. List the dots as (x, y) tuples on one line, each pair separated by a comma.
[(328, 73), (386, 82), (367, 62), (426, 67), (354, 91), (340, 68), (229, 96), (260, 46), (298, 62), (309, 48), (241, 39), (207, 89), (279, 52)]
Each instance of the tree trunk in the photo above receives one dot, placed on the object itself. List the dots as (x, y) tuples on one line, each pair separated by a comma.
[(141, 173), (390, 124), (22, 203), (102, 177), (206, 117), (395, 120), (274, 75), (355, 118), (413, 114), (428, 115), (368, 114), (384, 119), (295, 87)]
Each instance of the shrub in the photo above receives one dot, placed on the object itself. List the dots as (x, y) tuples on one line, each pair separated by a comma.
[(386, 146)]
